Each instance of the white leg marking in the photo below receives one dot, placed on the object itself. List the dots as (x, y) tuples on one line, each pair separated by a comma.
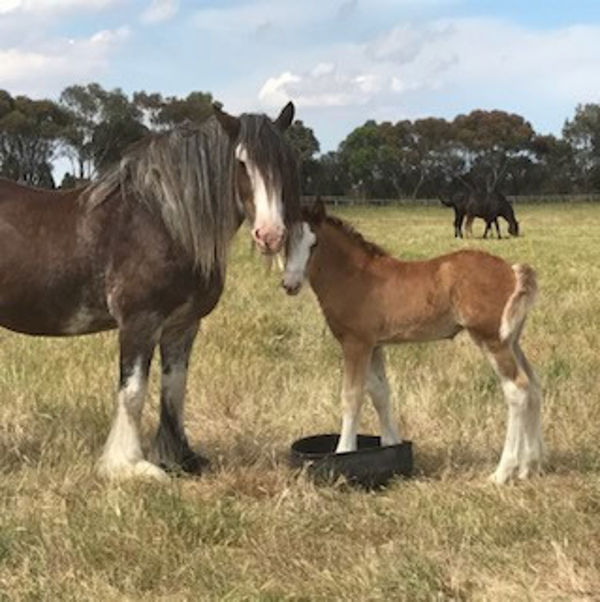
[(350, 421), (379, 390), (122, 457), (522, 451)]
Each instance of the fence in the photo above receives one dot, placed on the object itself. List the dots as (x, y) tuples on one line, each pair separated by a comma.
[(538, 199)]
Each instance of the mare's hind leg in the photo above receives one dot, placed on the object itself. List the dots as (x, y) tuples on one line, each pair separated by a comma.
[(122, 457), (170, 448), (521, 455), (469, 226), (379, 390), (497, 225), (357, 357)]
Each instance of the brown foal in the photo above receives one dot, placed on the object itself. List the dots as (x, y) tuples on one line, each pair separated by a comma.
[(370, 299)]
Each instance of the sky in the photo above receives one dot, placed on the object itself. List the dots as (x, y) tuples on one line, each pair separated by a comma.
[(342, 62)]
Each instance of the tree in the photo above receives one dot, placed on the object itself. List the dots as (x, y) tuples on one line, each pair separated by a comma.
[(102, 125), (306, 145), (29, 135), (582, 133), (331, 175), (370, 154), (164, 113), (494, 144)]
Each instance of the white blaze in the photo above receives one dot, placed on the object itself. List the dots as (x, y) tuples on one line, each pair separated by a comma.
[(297, 258), (268, 218)]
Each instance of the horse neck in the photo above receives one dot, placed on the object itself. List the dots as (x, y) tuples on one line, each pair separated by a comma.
[(506, 211), (336, 257)]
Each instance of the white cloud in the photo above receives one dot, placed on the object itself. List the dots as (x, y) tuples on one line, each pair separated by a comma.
[(323, 86), (51, 6), (55, 64), (160, 10), (482, 57), (257, 15)]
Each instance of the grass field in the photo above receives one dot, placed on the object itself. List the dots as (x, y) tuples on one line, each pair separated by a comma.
[(265, 372)]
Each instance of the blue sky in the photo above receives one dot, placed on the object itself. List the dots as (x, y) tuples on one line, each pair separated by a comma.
[(341, 61)]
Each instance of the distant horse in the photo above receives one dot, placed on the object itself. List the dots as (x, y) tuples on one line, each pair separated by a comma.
[(488, 206), (369, 299), (143, 249)]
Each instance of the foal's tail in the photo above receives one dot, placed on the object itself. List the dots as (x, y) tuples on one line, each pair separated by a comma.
[(521, 300)]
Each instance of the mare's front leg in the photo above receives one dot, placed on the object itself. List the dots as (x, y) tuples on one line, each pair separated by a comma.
[(497, 227), (357, 357), (122, 457), (379, 390), (170, 448), (458, 221)]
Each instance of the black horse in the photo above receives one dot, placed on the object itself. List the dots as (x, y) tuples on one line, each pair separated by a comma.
[(486, 205)]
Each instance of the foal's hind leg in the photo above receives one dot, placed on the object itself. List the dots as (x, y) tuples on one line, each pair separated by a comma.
[(357, 357), (122, 456), (379, 390), (534, 445), (170, 448), (522, 447)]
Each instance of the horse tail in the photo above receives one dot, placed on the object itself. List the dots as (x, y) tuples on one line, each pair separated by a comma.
[(520, 301)]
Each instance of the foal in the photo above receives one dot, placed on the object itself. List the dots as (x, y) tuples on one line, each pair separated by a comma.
[(370, 299)]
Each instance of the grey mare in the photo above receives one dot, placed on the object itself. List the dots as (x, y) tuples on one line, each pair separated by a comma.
[(143, 249)]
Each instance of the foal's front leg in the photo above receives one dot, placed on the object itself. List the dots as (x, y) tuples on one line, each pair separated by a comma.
[(170, 448), (122, 457), (357, 357), (379, 390)]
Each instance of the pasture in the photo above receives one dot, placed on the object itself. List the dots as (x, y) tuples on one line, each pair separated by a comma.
[(264, 372)]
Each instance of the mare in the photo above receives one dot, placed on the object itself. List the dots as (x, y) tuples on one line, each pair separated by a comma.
[(370, 299), (143, 249), (488, 206)]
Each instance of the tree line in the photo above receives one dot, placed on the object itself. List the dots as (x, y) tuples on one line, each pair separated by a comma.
[(91, 127)]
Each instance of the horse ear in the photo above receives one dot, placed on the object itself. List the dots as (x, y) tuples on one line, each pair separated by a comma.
[(317, 211), (286, 117), (229, 123)]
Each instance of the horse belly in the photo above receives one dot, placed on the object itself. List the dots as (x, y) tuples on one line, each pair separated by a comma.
[(51, 311), (424, 329), (33, 319)]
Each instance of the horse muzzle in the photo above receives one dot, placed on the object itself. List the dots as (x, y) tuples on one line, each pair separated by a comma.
[(269, 240), (291, 285)]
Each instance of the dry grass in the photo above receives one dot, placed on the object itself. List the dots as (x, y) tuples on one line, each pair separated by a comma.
[(265, 372)]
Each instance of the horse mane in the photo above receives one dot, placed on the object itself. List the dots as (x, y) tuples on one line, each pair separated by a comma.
[(372, 249), (267, 146), (184, 177)]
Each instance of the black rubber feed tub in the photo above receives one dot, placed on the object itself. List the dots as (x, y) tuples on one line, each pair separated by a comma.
[(370, 466)]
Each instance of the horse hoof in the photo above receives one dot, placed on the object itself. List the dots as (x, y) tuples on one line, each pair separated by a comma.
[(144, 469), (195, 464), (191, 464), (500, 477), (125, 471)]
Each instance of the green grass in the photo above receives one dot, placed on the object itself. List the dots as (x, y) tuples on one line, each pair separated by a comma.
[(266, 371)]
